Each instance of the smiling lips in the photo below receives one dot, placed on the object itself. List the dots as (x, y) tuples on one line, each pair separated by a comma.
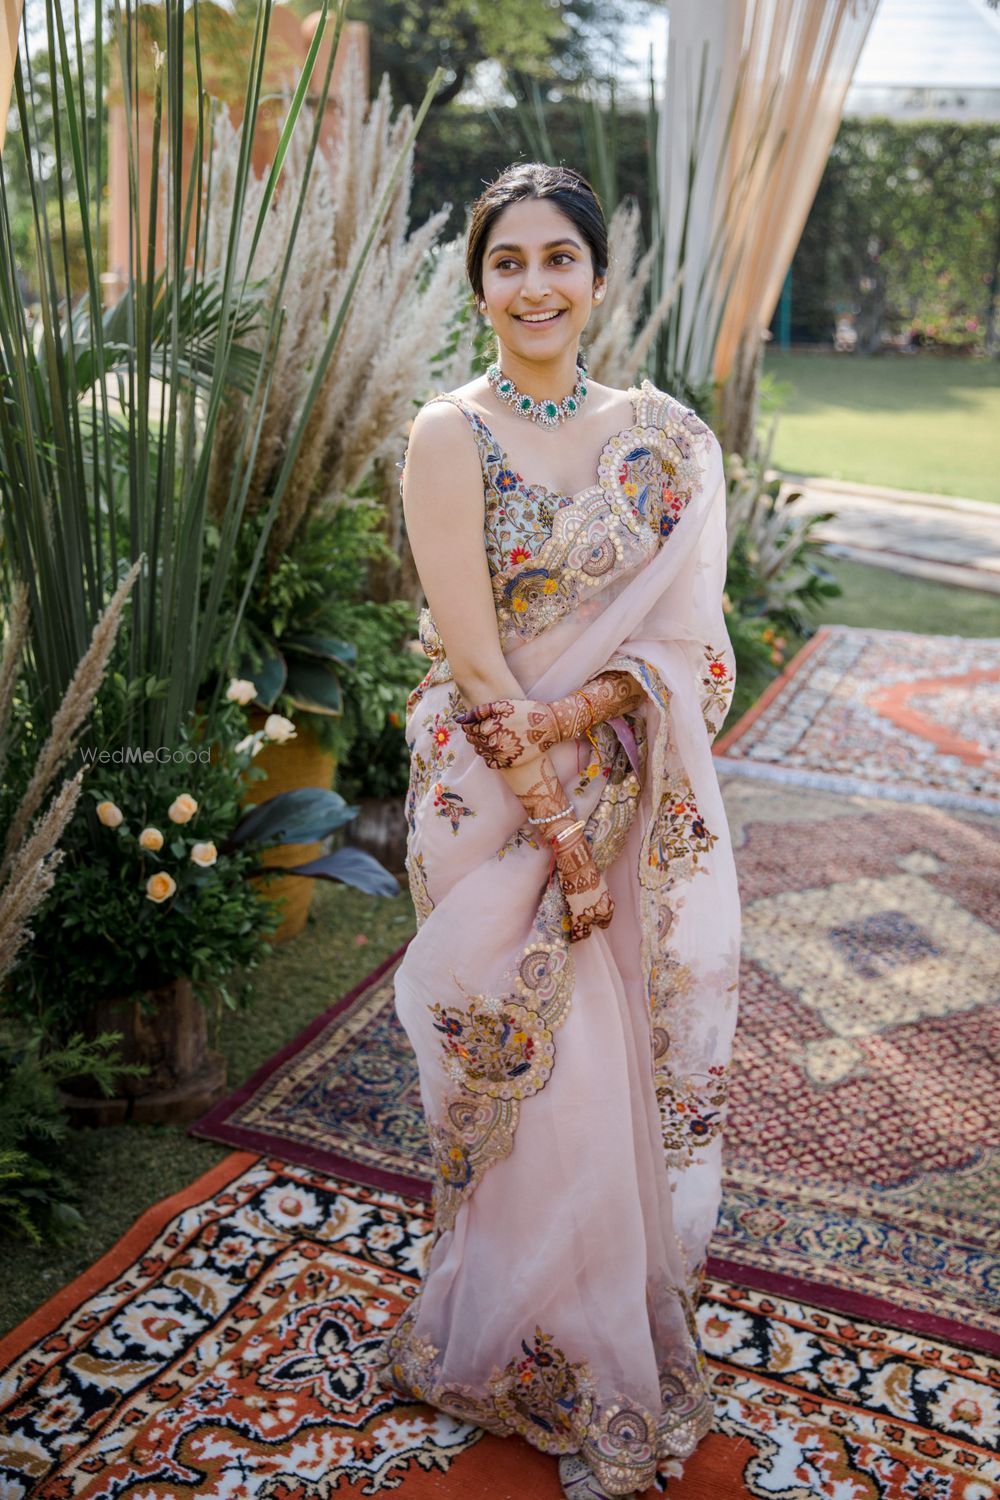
[(549, 316)]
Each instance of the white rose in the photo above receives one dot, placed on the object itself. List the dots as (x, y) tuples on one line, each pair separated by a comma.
[(110, 814), (204, 854), (251, 742), (241, 690), (279, 729), (151, 838)]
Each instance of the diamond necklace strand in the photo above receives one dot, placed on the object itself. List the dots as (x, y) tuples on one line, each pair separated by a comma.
[(545, 413)]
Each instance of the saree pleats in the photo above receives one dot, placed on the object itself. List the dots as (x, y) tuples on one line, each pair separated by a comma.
[(576, 1094)]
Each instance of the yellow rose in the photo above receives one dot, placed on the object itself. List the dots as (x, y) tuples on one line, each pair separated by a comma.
[(204, 854), (151, 838), (241, 690), (109, 814), (182, 809), (278, 728), (160, 887)]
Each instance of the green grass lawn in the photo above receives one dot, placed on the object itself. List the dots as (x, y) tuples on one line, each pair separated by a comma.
[(123, 1170), (916, 422)]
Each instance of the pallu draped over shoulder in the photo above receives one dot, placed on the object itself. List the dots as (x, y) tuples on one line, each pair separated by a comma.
[(576, 1094)]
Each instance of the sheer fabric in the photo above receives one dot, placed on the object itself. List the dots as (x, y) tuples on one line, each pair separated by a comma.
[(576, 1094)]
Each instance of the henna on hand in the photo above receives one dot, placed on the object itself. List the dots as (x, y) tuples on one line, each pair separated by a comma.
[(601, 698), (509, 732), (587, 896)]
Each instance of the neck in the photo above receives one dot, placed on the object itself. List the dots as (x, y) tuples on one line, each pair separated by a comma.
[(541, 379)]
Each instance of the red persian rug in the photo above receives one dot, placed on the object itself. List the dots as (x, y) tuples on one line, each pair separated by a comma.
[(223, 1349), (862, 1155), (915, 718)]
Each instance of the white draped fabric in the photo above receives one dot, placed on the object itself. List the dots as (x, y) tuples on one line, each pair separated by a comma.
[(776, 77)]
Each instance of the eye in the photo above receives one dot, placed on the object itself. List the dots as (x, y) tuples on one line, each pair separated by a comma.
[(506, 261), (564, 255)]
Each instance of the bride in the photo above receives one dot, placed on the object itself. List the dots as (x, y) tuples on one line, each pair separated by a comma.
[(570, 992)]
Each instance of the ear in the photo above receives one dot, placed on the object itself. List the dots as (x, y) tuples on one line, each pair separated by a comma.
[(600, 287)]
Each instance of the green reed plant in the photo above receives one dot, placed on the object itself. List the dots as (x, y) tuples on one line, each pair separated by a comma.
[(108, 416)]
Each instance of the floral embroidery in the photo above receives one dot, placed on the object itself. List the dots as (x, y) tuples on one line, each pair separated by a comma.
[(679, 833), (552, 1402), (543, 1395), (519, 554), (504, 1051), (691, 1109), (521, 838), (479, 1118), (451, 806), (419, 894), (719, 681)]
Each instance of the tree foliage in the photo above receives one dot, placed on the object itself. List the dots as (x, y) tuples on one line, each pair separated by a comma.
[(904, 233), (560, 41)]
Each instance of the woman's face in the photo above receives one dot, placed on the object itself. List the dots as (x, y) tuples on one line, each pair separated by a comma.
[(538, 280)]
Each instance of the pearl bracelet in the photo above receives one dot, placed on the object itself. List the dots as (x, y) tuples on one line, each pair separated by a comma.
[(551, 817)]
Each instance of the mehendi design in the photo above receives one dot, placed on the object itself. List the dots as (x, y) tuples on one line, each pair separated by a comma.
[(599, 699), (509, 731)]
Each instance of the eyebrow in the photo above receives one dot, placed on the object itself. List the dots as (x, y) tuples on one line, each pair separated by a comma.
[(549, 245)]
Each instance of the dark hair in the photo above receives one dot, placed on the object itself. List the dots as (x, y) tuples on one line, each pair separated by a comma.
[(568, 190)]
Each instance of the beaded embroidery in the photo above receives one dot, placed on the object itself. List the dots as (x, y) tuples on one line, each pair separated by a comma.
[(548, 552), (552, 1401)]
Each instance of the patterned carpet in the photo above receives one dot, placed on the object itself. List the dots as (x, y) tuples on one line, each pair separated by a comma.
[(915, 718), (222, 1350), (851, 1314), (862, 1154)]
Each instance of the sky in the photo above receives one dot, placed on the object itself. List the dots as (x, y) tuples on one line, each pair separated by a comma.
[(943, 43)]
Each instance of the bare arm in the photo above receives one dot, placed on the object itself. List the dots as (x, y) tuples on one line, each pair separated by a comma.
[(444, 508)]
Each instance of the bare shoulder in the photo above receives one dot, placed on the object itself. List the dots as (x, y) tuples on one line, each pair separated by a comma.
[(443, 472)]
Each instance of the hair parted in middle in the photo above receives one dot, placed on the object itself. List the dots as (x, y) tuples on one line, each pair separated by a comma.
[(567, 189)]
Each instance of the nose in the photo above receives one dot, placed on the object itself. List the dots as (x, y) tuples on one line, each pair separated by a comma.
[(534, 288)]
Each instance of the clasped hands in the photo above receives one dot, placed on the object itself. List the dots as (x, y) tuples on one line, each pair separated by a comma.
[(513, 735), (510, 732)]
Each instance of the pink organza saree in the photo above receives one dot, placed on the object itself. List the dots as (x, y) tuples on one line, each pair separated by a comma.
[(576, 1094)]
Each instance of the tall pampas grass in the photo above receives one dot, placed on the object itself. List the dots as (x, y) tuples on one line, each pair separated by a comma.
[(618, 337), (30, 859), (389, 358)]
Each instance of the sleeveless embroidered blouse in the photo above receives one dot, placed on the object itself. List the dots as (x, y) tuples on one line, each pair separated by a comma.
[(546, 551)]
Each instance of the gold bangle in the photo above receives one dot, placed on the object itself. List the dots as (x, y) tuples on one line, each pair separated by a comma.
[(564, 833)]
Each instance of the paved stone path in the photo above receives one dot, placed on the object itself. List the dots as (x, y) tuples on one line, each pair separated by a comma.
[(930, 536)]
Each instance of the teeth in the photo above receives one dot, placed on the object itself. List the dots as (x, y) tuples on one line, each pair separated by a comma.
[(539, 317)]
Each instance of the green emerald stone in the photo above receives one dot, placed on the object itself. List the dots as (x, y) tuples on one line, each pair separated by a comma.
[(583, 390), (526, 403), (570, 404), (551, 409)]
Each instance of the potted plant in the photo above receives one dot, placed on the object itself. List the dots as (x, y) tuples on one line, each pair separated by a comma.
[(144, 934), (375, 772), (322, 654)]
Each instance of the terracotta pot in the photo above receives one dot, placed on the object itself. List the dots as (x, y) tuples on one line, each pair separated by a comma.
[(297, 763), (168, 1032), (380, 829)]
